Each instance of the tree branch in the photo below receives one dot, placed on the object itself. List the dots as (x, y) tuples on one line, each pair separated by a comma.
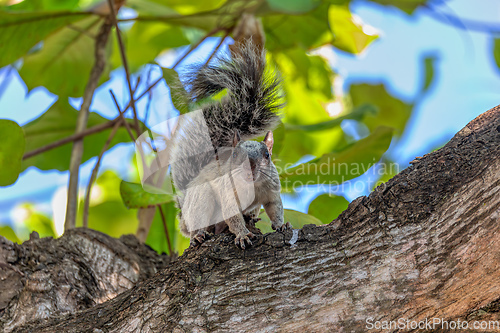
[(122, 116), (77, 151), (102, 127), (93, 176), (125, 65), (150, 99), (165, 229), (74, 137), (216, 48), (423, 245), (87, 132), (81, 131), (194, 46)]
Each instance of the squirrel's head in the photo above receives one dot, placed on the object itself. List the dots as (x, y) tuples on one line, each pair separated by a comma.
[(254, 158)]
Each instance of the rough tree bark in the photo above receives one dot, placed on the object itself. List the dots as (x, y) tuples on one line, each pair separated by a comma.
[(424, 245)]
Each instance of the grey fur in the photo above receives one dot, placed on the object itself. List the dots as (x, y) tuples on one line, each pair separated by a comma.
[(248, 110), (250, 106)]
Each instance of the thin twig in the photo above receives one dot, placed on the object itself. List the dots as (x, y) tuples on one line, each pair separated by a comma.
[(81, 124), (76, 137), (194, 46), (129, 130), (125, 65), (165, 229), (71, 138), (150, 97), (137, 84), (175, 65), (98, 128), (217, 48), (93, 176)]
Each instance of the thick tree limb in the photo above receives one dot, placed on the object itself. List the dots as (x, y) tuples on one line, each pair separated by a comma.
[(424, 245), (82, 268)]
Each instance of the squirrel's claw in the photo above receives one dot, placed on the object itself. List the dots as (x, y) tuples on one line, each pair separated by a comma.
[(242, 238), (199, 238), (283, 227)]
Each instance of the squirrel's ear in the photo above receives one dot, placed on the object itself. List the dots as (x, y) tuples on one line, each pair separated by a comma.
[(236, 138), (269, 141)]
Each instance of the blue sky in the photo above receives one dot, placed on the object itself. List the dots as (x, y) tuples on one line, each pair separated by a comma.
[(467, 79), (467, 83)]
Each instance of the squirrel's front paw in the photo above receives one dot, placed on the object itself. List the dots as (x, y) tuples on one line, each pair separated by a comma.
[(283, 227), (198, 238), (243, 238)]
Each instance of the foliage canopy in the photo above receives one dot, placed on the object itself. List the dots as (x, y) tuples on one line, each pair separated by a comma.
[(51, 43)]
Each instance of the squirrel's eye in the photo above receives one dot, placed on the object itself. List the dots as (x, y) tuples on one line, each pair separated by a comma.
[(266, 154)]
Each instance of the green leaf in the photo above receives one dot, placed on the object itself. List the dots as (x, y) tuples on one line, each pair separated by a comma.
[(178, 94), (34, 221), (19, 32), (107, 213), (64, 62), (308, 89), (150, 7), (59, 122), (8, 233), (496, 51), (305, 31), (327, 207), (111, 218), (202, 14), (146, 40), (156, 237), (392, 111), (12, 145), (429, 70), (297, 220), (407, 6), (195, 6), (350, 34), (40, 223), (293, 6), (339, 2), (134, 196), (311, 70), (357, 113), (38, 5), (335, 168)]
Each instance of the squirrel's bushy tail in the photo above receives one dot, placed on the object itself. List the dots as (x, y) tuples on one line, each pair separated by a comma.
[(253, 95), (250, 107)]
